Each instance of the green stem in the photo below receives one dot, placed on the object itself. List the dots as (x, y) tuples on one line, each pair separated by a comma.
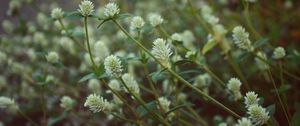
[(124, 119), (282, 84), (248, 21), (199, 119), (88, 43), (207, 69), (44, 105), (26, 117), (198, 18)]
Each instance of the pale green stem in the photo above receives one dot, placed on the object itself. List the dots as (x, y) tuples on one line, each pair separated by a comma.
[(282, 84), (198, 18), (248, 21), (88, 43)]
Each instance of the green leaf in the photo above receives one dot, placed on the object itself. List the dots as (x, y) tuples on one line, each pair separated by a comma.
[(58, 65), (208, 46), (260, 42), (123, 15), (155, 75), (271, 109), (184, 61), (87, 77), (73, 15), (282, 89), (52, 121), (38, 77), (143, 112)]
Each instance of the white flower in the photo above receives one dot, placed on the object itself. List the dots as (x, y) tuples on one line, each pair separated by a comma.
[(176, 37), (155, 19), (165, 104), (162, 51), (8, 26), (251, 99), (279, 53), (111, 9), (101, 50), (241, 38), (113, 66), (137, 22), (234, 85), (261, 64), (131, 83), (67, 103), (94, 86), (258, 114), (86, 8), (52, 57), (114, 85), (57, 13), (97, 103), (8, 103), (203, 80), (244, 122)]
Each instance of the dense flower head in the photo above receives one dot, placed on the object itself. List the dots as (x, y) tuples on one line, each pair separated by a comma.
[(176, 37), (244, 122), (165, 104), (203, 80), (234, 85), (131, 83), (8, 103), (57, 13), (137, 22), (52, 57), (97, 103), (86, 8), (94, 86), (67, 102), (111, 9), (113, 66), (115, 85), (155, 19), (279, 53), (241, 38), (162, 51), (101, 50), (251, 99), (258, 114), (261, 64)]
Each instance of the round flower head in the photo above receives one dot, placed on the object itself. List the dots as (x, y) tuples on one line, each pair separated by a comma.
[(57, 13), (258, 114), (278, 53), (261, 64), (162, 51), (111, 9), (113, 66), (155, 19), (52, 57), (203, 80), (94, 86), (241, 38), (165, 104), (97, 103), (86, 8), (67, 103), (115, 85), (176, 37), (131, 83), (251, 99), (234, 85), (137, 22), (8, 103), (101, 50), (244, 122)]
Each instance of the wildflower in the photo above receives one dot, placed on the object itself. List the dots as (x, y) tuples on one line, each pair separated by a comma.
[(261, 64), (203, 80), (115, 85), (162, 51), (111, 9), (57, 13), (52, 57), (155, 19), (131, 83), (251, 99), (94, 85), (258, 114), (244, 122), (8, 103), (101, 50), (113, 66), (279, 53), (97, 103), (234, 85), (165, 104), (8, 26), (176, 37), (86, 8), (241, 38), (67, 103), (137, 22)]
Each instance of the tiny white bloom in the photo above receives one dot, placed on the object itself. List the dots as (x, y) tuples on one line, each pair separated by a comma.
[(8, 103), (67, 102), (261, 64), (165, 104), (57, 13), (203, 81), (176, 37), (234, 85), (241, 38), (155, 19), (137, 22), (115, 85), (131, 83), (94, 86), (113, 66), (251, 99), (162, 51), (258, 114), (244, 122), (52, 57), (111, 9), (97, 103), (86, 8), (279, 53), (101, 50)]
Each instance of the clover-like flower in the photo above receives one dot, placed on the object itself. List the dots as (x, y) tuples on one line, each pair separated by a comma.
[(94, 86), (137, 22), (244, 122), (114, 85), (162, 51), (111, 9), (52, 57), (8, 103), (57, 13), (251, 99), (261, 64), (165, 104), (234, 85), (279, 53), (97, 103), (131, 83), (258, 114), (86, 8), (67, 103), (155, 19), (113, 66), (203, 81), (241, 38), (176, 37)]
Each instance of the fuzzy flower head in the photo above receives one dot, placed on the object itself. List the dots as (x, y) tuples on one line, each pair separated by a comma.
[(261, 64), (258, 114), (279, 53), (52, 57), (111, 9), (86, 8), (115, 85), (165, 104), (176, 37), (137, 22), (251, 99), (162, 51), (155, 19), (241, 38), (97, 103), (131, 83), (203, 81), (8, 103), (57, 13), (234, 85), (244, 122), (113, 66), (101, 50), (94, 86), (67, 103)]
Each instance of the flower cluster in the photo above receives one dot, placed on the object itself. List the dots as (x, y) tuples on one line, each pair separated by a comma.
[(155, 19), (279, 53), (52, 57), (137, 22), (165, 104), (258, 114), (131, 83), (111, 9), (162, 51), (8, 103), (57, 13), (113, 66), (67, 103), (241, 38), (234, 85), (251, 99), (86, 8), (97, 103)]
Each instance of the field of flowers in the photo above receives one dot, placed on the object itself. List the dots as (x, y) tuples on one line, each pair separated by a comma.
[(150, 63)]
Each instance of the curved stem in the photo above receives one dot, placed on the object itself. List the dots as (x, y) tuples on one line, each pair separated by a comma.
[(88, 43)]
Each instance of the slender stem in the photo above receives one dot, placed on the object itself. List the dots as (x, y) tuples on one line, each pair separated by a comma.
[(88, 43), (198, 18), (26, 117), (175, 74), (199, 119), (44, 105), (166, 34), (248, 21), (185, 123), (207, 69), (282, 84), (124, 119)]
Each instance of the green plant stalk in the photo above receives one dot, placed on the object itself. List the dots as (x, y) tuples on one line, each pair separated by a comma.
[(185, 123), (159, 118), (198, 18), (282, 84), (199, 119), (278, 96), (44, 106), (248, 21), (162, 30), (175, 74), (124, 119), (208, 70), (26, 117), (88, 43)]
